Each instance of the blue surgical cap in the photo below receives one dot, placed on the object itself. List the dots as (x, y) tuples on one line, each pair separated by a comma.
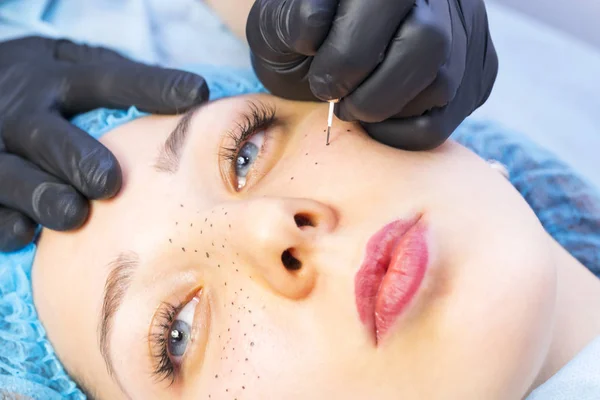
[(28, 364)]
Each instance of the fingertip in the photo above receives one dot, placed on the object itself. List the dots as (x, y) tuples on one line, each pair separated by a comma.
[(74, 210), (101, 174), (324, 87), (189, 90), (59, 207), (16, 231)]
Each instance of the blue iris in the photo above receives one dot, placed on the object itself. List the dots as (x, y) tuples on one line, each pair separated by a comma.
[(245, 159), (179, 338)]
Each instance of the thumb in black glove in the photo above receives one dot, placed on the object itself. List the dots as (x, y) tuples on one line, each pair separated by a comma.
[(410, 70), (48, 167)]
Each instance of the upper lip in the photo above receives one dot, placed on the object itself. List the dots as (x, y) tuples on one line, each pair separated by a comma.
[(369, 278)]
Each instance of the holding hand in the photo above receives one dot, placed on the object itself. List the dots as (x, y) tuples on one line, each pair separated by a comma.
[(410, 70), (48, 167)]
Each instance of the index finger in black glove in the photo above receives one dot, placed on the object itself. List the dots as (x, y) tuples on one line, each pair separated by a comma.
[(348, 38), (283, 37)]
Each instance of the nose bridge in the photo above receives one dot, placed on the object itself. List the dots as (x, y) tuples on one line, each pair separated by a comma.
[(275, 237)]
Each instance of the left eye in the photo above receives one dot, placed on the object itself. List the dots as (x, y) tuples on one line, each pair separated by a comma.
[(181, 330), (247, 156)]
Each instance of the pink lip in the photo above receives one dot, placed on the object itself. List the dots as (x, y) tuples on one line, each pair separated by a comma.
[(391, 273)]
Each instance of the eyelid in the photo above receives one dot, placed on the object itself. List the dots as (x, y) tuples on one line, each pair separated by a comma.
[(265, 158), (199, 337)]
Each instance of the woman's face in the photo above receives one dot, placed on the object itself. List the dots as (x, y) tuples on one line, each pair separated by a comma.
[(273, 266)]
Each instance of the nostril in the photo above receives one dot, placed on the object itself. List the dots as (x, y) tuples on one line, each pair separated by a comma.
[(289, 261), (303, 220)]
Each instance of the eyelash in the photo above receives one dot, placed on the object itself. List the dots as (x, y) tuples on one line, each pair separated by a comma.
[(260, 116), (164, 368)]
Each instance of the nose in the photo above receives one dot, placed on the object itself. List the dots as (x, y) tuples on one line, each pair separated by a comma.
[(278, 238)]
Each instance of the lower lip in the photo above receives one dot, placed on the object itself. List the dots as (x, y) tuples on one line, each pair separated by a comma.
[(396, 262)]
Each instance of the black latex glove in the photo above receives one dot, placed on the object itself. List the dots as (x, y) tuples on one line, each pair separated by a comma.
[(48, 167), (410, 71)]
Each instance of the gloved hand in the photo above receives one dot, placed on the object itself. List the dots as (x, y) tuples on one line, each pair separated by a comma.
[(410, 70), (48, 167)]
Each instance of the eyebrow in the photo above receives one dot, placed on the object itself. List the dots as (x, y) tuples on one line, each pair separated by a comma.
[(122, 270), (169, 155)]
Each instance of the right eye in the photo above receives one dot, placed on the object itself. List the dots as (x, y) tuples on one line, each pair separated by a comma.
[(248, 154)]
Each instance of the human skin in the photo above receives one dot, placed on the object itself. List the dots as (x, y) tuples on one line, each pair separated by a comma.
[(502, 307)]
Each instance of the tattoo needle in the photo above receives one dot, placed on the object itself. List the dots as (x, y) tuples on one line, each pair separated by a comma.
[(330, 117)]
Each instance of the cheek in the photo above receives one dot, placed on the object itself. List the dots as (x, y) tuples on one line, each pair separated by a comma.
[(246, 352)]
